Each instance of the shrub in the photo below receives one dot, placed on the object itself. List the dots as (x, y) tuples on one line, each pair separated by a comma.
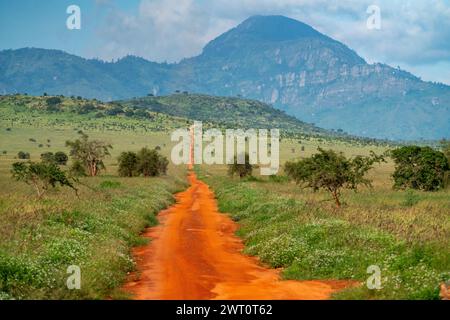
[(53, 103), (23, 155), (151, 163), (48, 157), (128, 164), (419, 168), (241, 169), (61, 158), (77, 169)]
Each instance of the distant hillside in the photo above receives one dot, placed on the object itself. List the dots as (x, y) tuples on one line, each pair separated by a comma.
[(272, 59), (57, 112), (157, 114), (225, 111)]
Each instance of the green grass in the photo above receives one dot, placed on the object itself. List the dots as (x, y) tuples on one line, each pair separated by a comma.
[(39, 239), (310, 239)]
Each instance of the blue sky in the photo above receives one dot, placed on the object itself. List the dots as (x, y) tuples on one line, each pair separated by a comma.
[(414, 35)]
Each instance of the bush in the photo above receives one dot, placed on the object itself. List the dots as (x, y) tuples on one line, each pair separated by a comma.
[(53, 104), (23, 155), (48, 157), (242, 170), (419, 168), (77, 169), (151, 163), (61, 158), (128, 164)]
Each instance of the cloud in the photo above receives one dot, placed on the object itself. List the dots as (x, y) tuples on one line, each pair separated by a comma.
[(412, 32)]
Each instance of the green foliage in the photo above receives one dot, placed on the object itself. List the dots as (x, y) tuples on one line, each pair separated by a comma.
[(90, 153), (421, 168), (41, 176), (445, 145), (128, 164), (151, 163), (61, 158), (332, 171), (23, 155), (48, 157), (77, 169), (241, 169), (311, 242), (53, 104)]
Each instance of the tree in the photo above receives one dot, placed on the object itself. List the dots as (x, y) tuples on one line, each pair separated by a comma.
[(421, 168), (61, 158), (77, 169), (332, 171), (128, 164), (53, 103), (41, 176), (48, 157), (23, 155), (89, 153), (242, 170), (151, 163), (445, 145)]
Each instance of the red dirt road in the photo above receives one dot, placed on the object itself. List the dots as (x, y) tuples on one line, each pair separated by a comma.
[(194, 254)]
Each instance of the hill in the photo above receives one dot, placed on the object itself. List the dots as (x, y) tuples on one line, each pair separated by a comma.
[(227, 112), (272, 59)]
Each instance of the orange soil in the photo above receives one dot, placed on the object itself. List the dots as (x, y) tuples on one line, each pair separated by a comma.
[(194, 254)]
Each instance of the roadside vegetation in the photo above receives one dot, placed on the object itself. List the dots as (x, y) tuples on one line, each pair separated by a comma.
[(52, 219), (405, 232)]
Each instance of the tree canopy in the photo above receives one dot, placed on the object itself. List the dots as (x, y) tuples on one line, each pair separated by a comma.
[(332, 171), (421, 168), (89, 153)]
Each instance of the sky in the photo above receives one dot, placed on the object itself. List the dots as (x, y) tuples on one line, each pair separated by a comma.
[(414, 35)]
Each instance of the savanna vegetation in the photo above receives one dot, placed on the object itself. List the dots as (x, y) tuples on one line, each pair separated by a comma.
[(51, 218), (312, 235), (386, 216)]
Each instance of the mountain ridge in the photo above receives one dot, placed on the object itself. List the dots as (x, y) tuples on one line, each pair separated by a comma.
[(273, 59)]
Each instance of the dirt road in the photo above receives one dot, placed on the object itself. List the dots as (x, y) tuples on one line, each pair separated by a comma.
[(194, 254)]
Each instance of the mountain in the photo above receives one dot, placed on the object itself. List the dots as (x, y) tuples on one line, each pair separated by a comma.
[(273, 59)]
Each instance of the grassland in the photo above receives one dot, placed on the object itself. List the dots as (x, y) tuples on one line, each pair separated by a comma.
[(405, 233), (39, 239)]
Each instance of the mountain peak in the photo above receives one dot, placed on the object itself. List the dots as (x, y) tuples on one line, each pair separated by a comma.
[(276, 28), (262, 29)]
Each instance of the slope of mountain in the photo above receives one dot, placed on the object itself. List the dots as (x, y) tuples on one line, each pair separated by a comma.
[(163, 113), (273, 59), (227, 112)]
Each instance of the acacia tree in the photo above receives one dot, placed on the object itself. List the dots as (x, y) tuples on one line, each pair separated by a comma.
[(41, 176), (89, 153), (332, 171)]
